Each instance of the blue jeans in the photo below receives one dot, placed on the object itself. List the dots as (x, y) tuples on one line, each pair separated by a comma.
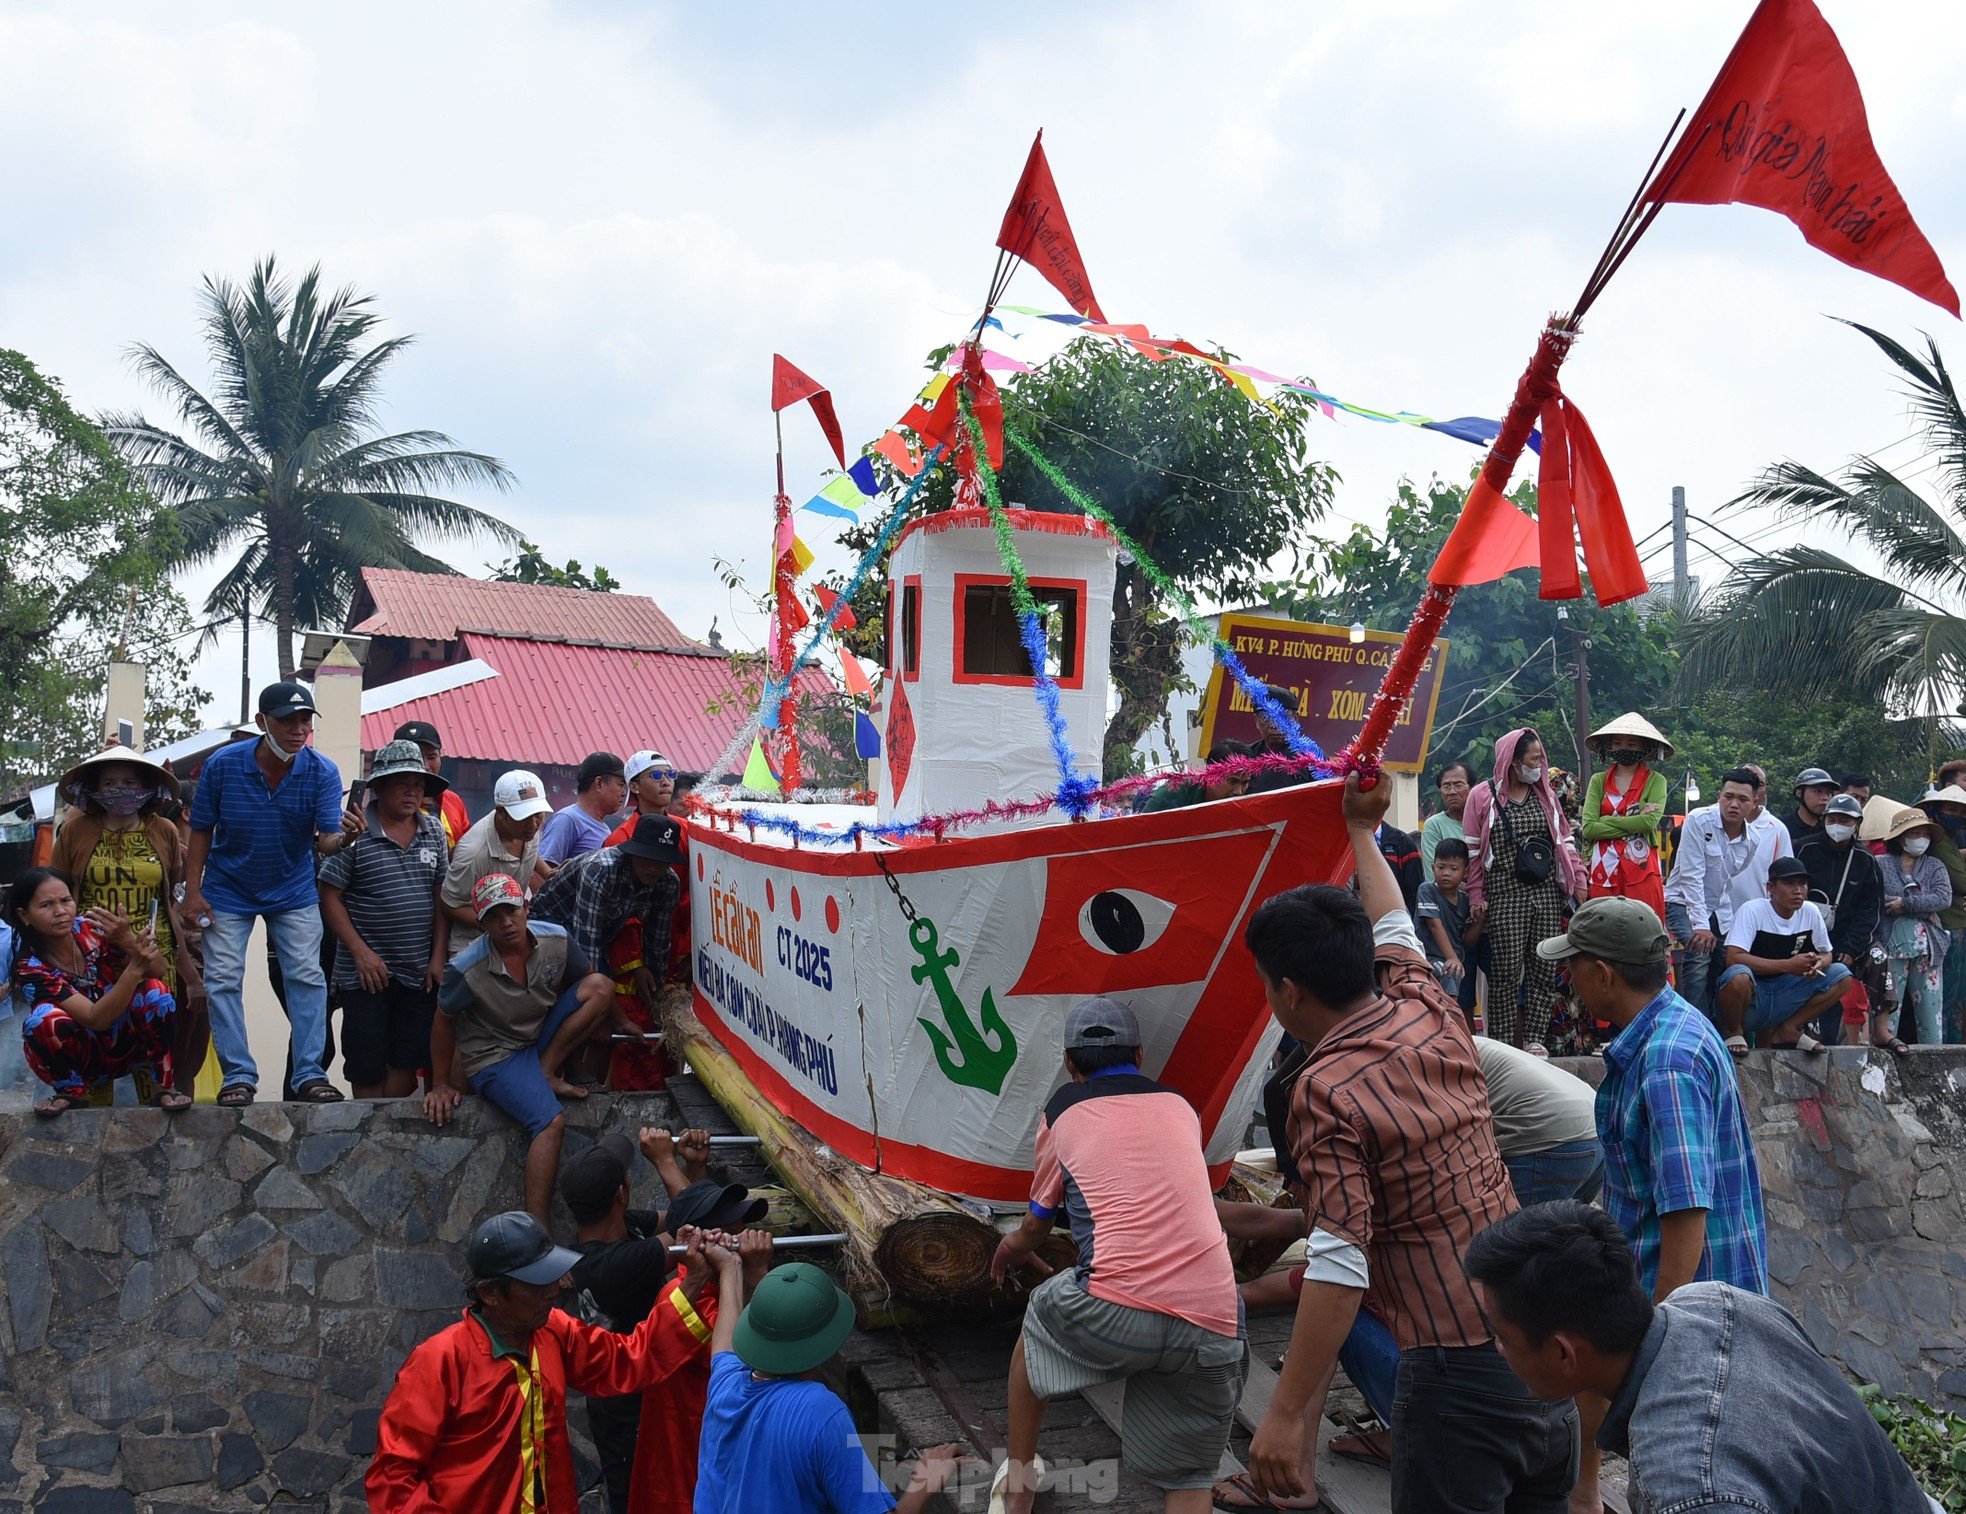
[(296, 938), (1573, 1170), (517, 1084), (1370, 1357), (1695, 968), (1780, 996)]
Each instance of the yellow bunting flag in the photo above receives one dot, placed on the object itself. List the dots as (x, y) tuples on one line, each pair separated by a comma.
[(801, 556)]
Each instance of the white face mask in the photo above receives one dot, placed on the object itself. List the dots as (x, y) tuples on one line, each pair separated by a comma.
[(1915, 846), (1839, 832), (1528, 774)]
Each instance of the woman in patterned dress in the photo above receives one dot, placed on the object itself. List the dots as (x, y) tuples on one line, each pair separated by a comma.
[(124, 857), (1513, 821), (91, 987)]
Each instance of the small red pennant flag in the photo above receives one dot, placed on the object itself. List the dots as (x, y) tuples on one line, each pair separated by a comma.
[(1784, 127), (844, 621), (789, 385), (1491, 540), (1035, 229)]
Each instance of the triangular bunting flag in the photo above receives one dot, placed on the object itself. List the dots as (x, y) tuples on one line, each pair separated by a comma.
[(801, 556), (845, 620), (866, 739), (857, 683), (758, 775)]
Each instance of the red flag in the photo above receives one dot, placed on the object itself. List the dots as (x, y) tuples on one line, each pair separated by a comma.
[(1574, 485), (789, 386), (845, 620), (1783, 127), (1035, 229), (1491, 539)]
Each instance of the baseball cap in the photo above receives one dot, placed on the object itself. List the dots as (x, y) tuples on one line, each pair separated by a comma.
[(286, 699), (1847, 805), (656, 837), (516, 1245), (642, 761), (1787, 867), (521, 794), (422, 732), (493, 891), (797, 1318), (1100, 1022), (710, 1205), (599, 765), (1618, 930), (590, 1179)]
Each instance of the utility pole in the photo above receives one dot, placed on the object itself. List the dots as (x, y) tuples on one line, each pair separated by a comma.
[(1681, 580), (245, 666), (1580, 680)]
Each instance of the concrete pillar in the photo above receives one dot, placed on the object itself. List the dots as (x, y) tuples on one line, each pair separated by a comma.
[(338, 711), (1405, 813), (123, 699)]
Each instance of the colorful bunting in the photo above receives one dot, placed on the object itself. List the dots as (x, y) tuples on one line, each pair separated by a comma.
[(866, 738), (758, 776), (844, 620), (857, 682), (801, 556), (862, 474)]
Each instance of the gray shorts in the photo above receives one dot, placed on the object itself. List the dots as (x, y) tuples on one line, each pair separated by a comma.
[(1182, 1382)]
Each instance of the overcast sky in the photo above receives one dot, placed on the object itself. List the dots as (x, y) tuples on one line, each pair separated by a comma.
[(600, 220)]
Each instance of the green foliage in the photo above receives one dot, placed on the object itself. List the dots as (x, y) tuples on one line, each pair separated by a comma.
[(1807, 621), (82, 553), (1212, 486), (531, 567), (1932, 1443), (284, 463), (1512, 662)]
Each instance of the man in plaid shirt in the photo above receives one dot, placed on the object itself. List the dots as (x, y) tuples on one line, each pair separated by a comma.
[(593, 897), (1679, 1170)]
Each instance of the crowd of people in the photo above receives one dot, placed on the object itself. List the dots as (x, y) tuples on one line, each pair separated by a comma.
[(1515, 1271)]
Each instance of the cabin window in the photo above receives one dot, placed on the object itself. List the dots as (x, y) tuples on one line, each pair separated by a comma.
[(909, 635), (991, 641)]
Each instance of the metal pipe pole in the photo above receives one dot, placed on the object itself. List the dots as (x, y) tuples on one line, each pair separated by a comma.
[(789, 1242)]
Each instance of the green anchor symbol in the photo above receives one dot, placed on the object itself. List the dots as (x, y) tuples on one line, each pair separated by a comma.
[(984, 1065)]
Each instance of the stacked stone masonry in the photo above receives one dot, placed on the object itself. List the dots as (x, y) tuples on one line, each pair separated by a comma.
[(204, 1313)]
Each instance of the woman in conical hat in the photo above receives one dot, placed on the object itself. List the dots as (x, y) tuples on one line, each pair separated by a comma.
[(1624, 807)]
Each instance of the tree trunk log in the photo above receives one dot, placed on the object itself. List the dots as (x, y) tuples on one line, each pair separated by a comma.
[(906, 1243)]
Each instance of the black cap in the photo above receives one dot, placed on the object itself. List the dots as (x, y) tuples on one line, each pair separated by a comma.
[(590, 1179), (657, 838), (286, 699), (422, 732), (710, 1205), (1787, 867), (599, 765), (516, 1245)]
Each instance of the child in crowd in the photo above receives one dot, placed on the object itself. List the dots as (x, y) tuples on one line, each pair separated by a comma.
[(1443, 915)]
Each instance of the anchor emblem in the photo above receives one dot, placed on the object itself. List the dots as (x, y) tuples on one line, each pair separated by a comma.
[(986, 1055)]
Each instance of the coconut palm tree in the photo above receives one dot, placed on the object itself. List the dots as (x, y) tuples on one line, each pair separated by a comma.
[(285, 465), (1810, 620)]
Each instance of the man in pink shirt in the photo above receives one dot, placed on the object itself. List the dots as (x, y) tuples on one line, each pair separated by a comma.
[(1152, 1301)]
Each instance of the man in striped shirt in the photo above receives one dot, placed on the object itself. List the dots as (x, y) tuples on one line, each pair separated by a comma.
[(1395, 1146)]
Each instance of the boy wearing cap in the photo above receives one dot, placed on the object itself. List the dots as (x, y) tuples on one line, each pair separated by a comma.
[(512, 1007), (652, 790), (599, 789), (616, 903), (379, 897), (264, 810), (773, 1437), (477, 1418), (450, 808), (505, 841), (647, 1442), (1780, 971), (1152, 1302)]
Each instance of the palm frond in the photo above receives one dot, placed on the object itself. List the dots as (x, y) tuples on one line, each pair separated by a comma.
[(1917, 541), (1934, 401)]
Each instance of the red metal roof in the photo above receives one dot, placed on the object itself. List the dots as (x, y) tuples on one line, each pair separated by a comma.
[(555, 704), (441, 606)]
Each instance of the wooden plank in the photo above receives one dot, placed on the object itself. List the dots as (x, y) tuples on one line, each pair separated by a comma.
[(1347, 1486)]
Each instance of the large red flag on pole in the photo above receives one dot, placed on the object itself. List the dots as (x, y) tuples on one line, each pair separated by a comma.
[(1784, 128), (789, 385), (1035, 229)]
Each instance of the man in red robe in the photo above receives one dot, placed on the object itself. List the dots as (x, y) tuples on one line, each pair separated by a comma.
[(477, 1419)]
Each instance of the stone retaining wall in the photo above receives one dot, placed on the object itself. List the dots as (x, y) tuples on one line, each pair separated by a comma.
[(205, 1313)]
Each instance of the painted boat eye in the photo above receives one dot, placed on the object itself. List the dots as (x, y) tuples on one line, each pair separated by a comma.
[(1120, 921)]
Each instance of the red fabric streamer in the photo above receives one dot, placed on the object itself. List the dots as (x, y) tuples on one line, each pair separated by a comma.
[(1577, 500), (789, 385), (1784, 127), (1035, 229), (1491, 539), (845, 620), (985, 403)]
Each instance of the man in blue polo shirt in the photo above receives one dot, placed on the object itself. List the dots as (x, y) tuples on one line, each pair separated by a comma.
[(263, 811)]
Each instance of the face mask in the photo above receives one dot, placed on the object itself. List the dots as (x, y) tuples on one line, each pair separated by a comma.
[(1837, 832), (1528, 774), (280, 753), (1626, 756), (121, 799), (1916, 846)]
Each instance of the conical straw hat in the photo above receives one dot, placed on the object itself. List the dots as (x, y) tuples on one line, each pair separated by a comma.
[(1635, 725)]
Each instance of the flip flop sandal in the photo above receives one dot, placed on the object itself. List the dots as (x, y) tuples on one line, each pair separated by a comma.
[(172, 1101), (236, 1095), (56, 1106), (1737, 1048), (318, 1091), (1000, 1482), (1809, 1045), (1240, 1483), (1369, 1450), (1896, 1047)]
